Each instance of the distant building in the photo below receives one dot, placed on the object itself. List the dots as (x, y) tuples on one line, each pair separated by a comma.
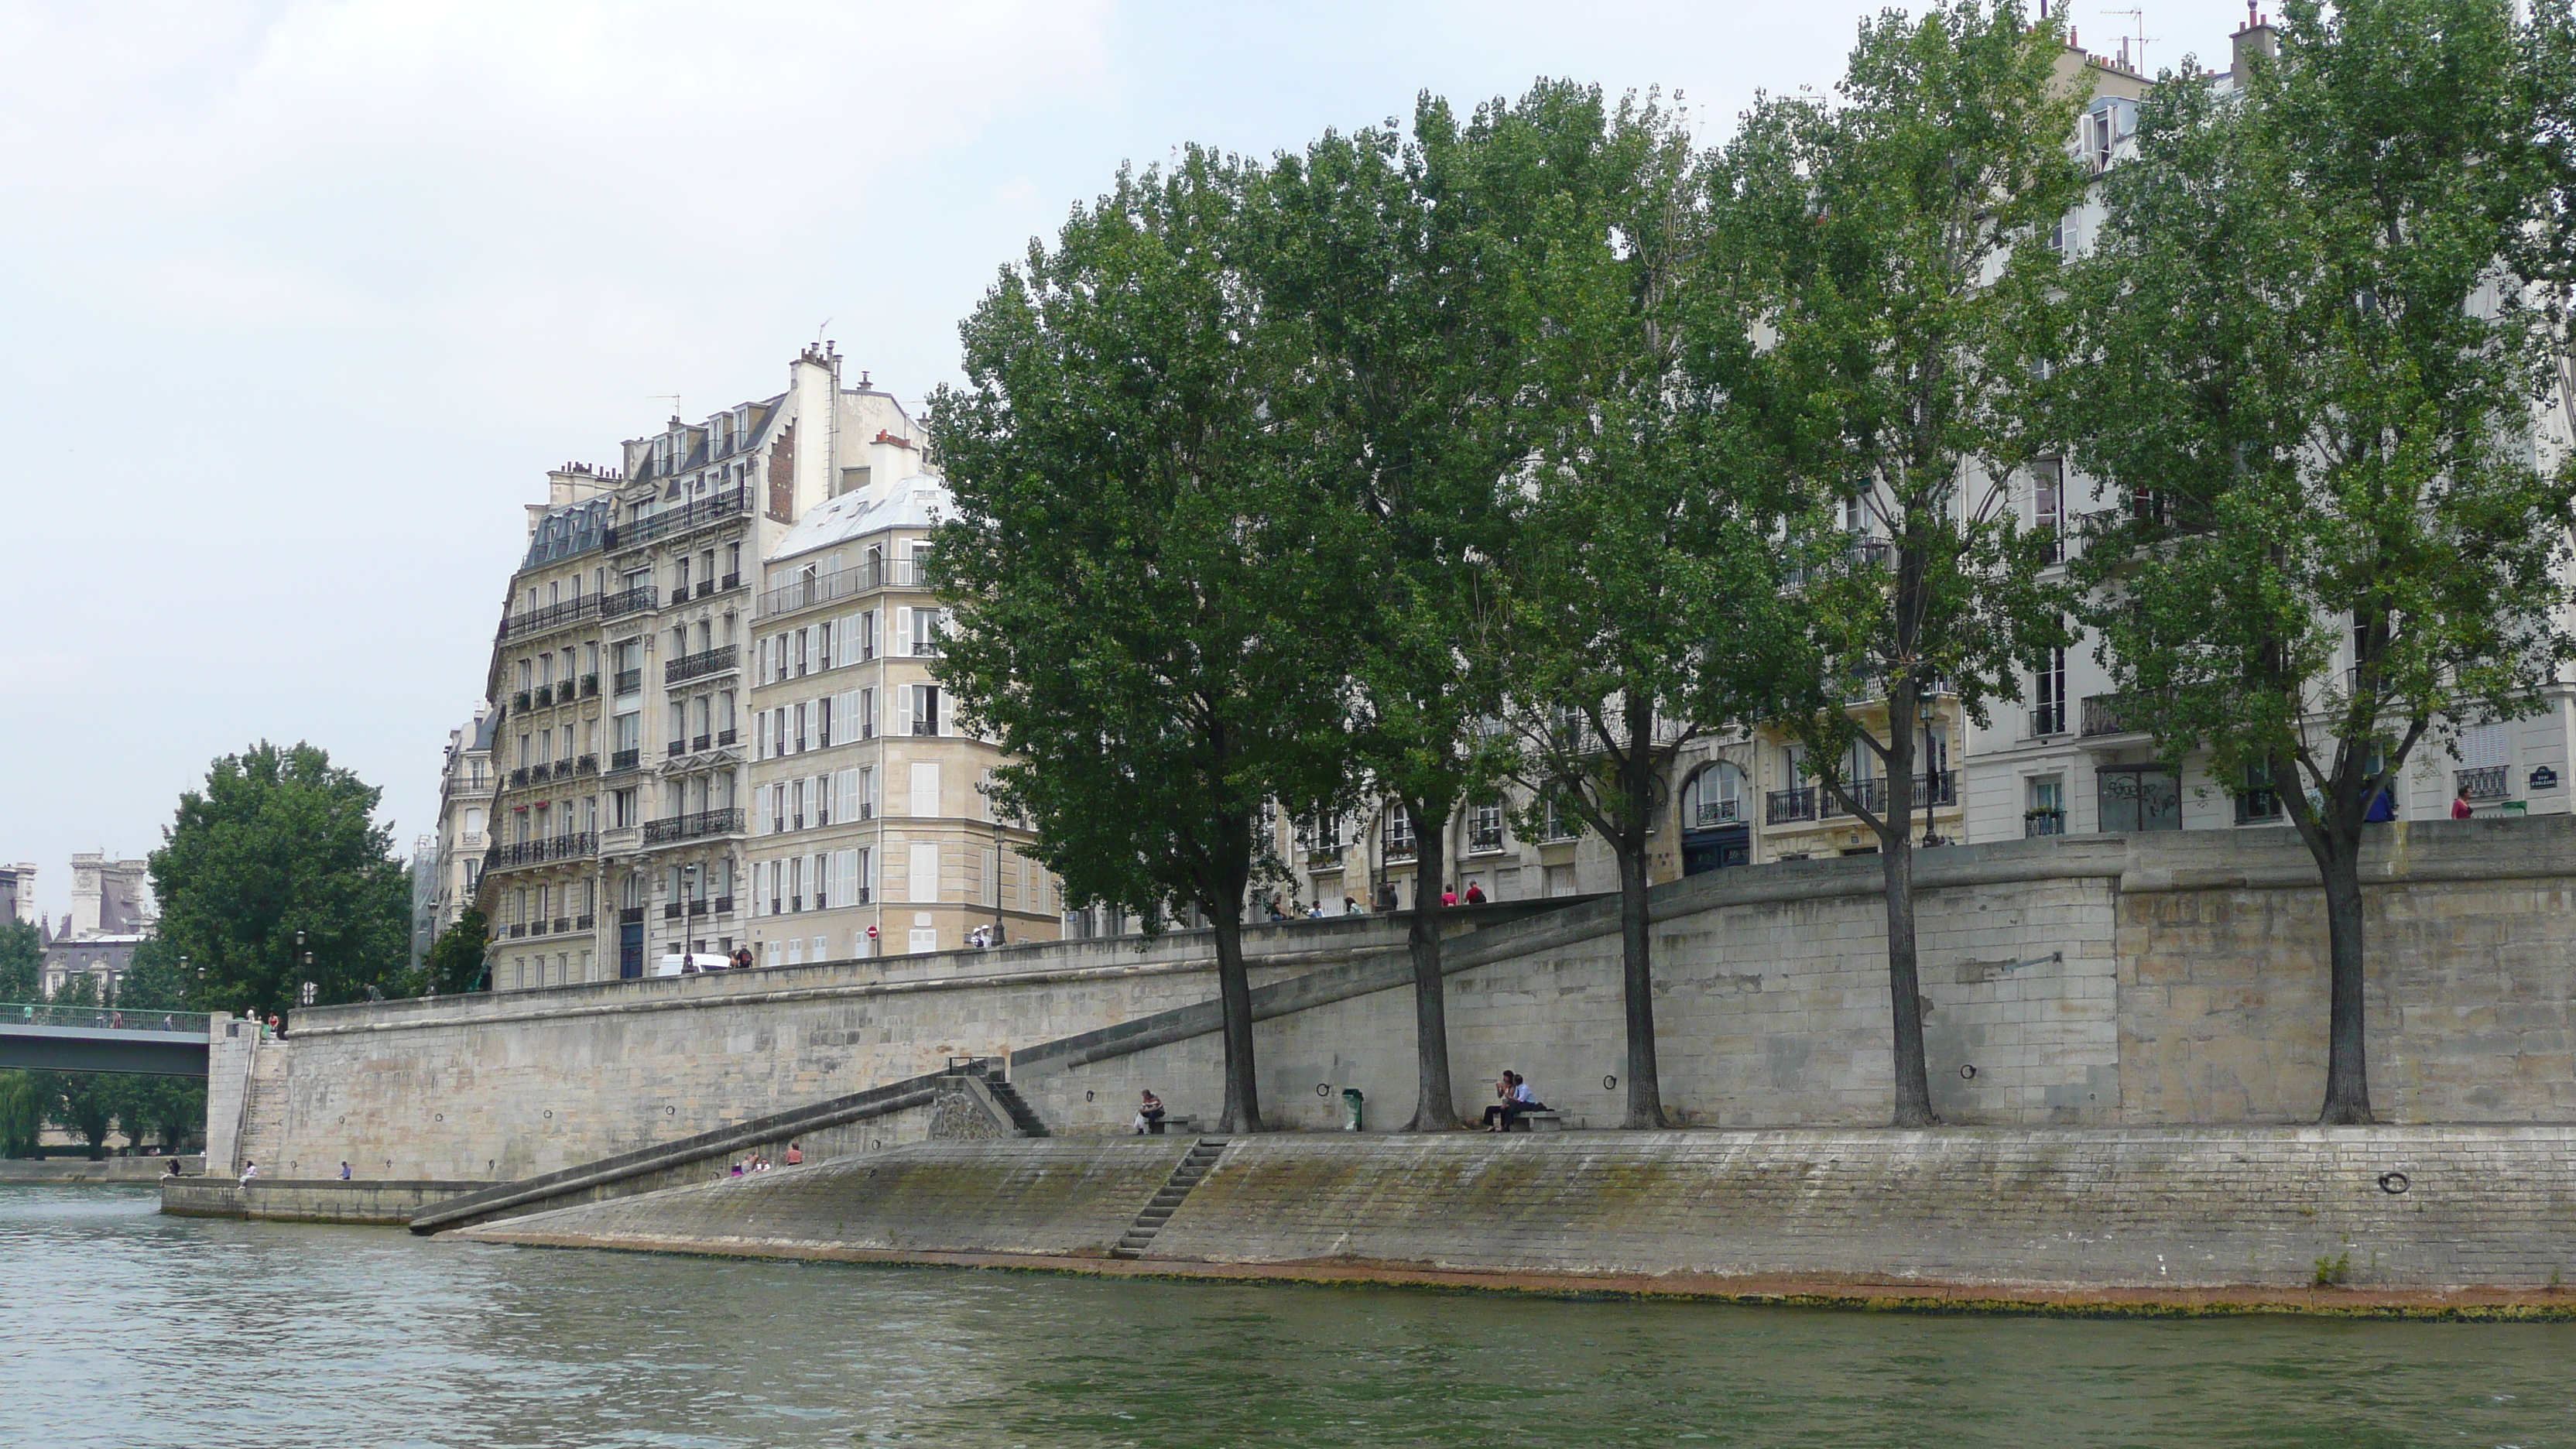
[(112, 913), (18, 894)]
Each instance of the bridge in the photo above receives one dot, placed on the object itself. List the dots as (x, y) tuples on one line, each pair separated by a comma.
[(102, 1039)]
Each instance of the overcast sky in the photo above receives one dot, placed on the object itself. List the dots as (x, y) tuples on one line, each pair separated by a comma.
[(298, 302)]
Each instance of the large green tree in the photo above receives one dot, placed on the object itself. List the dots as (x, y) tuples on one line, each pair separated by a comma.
[(1640, 584), (279, 842), (1880, 233), (2310, 344), (1386, 255), (1147, 610), (22, 962), (455, 962)]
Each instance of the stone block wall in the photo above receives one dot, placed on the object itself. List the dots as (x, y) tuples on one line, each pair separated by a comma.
[(2074, 981)]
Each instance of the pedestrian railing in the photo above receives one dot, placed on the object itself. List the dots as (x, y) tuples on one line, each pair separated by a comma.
[(104, 1018)]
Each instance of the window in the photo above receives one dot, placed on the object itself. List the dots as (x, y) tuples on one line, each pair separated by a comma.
[(1714, 797), (1561, 824), (867, 800), (2048, 692), (925, 709), (823, 645), (1399, 833), (2138, 797), (2045, 810), (796, 817), (622, 809), (927, 627), (867, 714), (2048, 507), (868, 635), (1485, 826), (473, 824), (823, 722), (2258, 801), (800, 729)]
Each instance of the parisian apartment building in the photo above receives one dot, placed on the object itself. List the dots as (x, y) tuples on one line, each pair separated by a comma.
[(710, 722)]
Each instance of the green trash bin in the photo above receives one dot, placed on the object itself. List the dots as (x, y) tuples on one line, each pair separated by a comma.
[(1354, 1110)]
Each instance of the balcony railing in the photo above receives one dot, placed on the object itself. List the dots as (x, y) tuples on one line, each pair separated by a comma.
[(544, 696), (690, 827), (518, 777), (1484, 838), (590, 686), (519, 702), (733, 581), (2043, 822), (580, 845), (1323, 855), (1780, 807), (1403, 849), (901, 573), (725, 737), (673, 910), (700, 665), (620, 761), (586, 765), (1715, 812), (724, 905), (2485, 782), (683, 519), (2048, 719), (676, 748), (706, 588), (631, 601), (563, 924), (701, 742), (630, 915), (565, 612), (680, 594), (629, 680), (2107, 714)]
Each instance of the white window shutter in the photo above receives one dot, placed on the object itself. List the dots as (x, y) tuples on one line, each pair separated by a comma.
[(845, 877), (901, 643)]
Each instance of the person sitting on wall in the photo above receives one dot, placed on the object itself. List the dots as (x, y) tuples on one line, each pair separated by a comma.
[(795, 1155), (1149, 1116), (1350, 907), (249, 1171), (742, 958), (174, 1168)]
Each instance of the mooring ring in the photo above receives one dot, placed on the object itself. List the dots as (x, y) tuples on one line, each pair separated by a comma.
[(2393, 1183)]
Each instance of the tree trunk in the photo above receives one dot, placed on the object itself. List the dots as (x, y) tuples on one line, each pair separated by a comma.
[(1234, 996), (1637, 975), (2347, 1061), (1904, 982), (1435, 1103), (1637, 969)]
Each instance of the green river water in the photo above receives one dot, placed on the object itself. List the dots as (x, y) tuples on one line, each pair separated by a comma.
[(120, 1327)]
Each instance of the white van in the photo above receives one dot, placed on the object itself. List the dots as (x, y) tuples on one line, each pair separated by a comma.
[(690, 965)]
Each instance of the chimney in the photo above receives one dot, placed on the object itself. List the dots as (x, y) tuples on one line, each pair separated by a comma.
[(2257, 38)]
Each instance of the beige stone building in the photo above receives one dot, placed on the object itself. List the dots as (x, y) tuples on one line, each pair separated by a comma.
[(870, 831), (624, 746)]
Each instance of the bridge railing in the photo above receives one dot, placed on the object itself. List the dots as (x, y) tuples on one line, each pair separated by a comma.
[(104, 1018)]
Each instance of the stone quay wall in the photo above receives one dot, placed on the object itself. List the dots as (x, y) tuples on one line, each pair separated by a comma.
[(2169, 1209), (2075, 981)]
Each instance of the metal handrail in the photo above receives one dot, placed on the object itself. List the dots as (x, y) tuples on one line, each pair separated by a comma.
[(106, 1018)]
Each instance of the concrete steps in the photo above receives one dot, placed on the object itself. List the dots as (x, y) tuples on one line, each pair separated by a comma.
[(1022, 1117), (263, 1116), (1194, 1166)]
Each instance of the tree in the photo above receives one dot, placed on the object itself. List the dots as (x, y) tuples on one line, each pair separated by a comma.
[(22, 962), (1144, 609), (2329, 302), (1881, 235), (24, 1101), (455, 961), (1639, 584), (281, 841), (1378, 251)]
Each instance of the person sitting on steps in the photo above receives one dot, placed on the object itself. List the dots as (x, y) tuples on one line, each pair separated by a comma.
[(1149, 1116)]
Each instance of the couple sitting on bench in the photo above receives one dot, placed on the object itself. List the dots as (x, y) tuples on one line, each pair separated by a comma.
[(1517, 1099)]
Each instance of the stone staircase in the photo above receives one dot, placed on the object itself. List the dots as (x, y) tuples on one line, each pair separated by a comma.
[(1022, 1117), (1194, 1166), (263, 1128)]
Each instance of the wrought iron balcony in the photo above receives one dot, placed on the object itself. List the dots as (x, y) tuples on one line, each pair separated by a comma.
[(725, 737), (620, 761), (724, 905), (684, 519), (2043, 822), (518, 777), (629, 680), (676, 748), (551, 616), (823, 588), (701, 742), (1323, 855), (690, 827), (586, 765), (630, 915), (2048, 719), (544, 696), (672, 910), (1484, 838), (732, 581), (2485, 782), (519, 702), (697, 908), (706, 587), (1781, 807), (584, 923), (563, 924), (578, 845), (1716, 812), (680, 594), (2107, 714), (590, 686), (700, 665), (630, 601)]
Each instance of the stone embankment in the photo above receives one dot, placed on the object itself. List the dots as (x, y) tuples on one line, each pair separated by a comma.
[(127, 1171), (2301, 1217)]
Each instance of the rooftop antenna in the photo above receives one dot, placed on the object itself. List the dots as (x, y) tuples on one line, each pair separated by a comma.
[(818, 331), (2138, 35), (675, 402)]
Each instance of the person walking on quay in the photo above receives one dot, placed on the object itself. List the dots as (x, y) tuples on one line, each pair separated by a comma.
[(742, 958), (2461, 809), (344, 1172), (1448, 895), (1475, 894)]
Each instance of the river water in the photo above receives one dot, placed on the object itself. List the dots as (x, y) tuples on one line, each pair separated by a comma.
[(120, 1327)]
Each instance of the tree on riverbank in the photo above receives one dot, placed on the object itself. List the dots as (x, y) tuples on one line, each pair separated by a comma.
[(2309, 345), (1888, 239), (1148, 613), (281, 841)]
